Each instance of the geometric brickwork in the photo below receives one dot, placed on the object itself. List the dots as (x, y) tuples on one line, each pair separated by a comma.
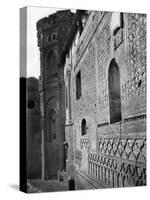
[(119, 162)]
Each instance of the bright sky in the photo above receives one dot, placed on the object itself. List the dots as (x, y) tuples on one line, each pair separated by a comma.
[(33, 54)]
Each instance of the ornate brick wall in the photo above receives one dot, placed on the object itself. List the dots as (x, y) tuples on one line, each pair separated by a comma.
[(116, 152), (136, 43), (120, 162), (103, 54)]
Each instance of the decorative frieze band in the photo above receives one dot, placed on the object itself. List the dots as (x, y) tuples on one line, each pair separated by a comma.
[(84, 143), (133, 149), (128, 119), (103, 124), (135, 118)]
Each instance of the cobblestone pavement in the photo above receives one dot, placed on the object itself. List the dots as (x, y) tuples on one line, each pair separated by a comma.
[(46, 186)]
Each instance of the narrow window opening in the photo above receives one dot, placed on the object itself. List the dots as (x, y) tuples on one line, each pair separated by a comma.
[(66, 98), (139, 84), (83, 127), (78, 85), (114, 92), (121, 20), (80, 27), (54, 37)]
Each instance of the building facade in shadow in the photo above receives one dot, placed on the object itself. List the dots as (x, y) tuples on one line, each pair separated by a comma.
[(52, 33)]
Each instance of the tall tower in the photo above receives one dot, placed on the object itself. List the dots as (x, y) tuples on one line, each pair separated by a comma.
[(52, 32)]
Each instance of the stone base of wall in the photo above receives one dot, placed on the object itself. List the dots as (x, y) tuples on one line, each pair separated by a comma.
[(85, 182), (34, 167)]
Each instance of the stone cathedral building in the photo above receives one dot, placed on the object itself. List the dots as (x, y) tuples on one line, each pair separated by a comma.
[(93, 97)]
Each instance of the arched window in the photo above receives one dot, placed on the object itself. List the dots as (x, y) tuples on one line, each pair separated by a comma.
[(114, 92), (83, 127)]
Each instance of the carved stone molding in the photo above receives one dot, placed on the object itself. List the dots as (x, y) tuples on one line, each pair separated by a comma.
[(132, 149), (116, 174), (136, 83), (84, 143)]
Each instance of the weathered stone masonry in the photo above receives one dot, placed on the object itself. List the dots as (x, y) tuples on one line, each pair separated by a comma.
[(52, 35)]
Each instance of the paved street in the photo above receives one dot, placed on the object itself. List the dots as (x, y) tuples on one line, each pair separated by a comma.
[(46, 186)]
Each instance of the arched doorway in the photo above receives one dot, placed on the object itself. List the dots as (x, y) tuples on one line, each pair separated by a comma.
[(114, 92)]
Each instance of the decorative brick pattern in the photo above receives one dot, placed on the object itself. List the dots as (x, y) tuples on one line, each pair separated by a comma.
[(133, 149), (103, 53), (116, 150), (119, 162), (135, 118), (88, 82), (116, 173), (103, 50), (103, 124), (88, 32), (84, 143), (136, 84)]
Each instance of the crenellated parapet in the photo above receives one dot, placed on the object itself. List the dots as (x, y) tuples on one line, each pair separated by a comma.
[(52, 34), (54, 28)]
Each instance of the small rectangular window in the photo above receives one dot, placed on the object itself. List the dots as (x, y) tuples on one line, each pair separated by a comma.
[(78, 85)]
